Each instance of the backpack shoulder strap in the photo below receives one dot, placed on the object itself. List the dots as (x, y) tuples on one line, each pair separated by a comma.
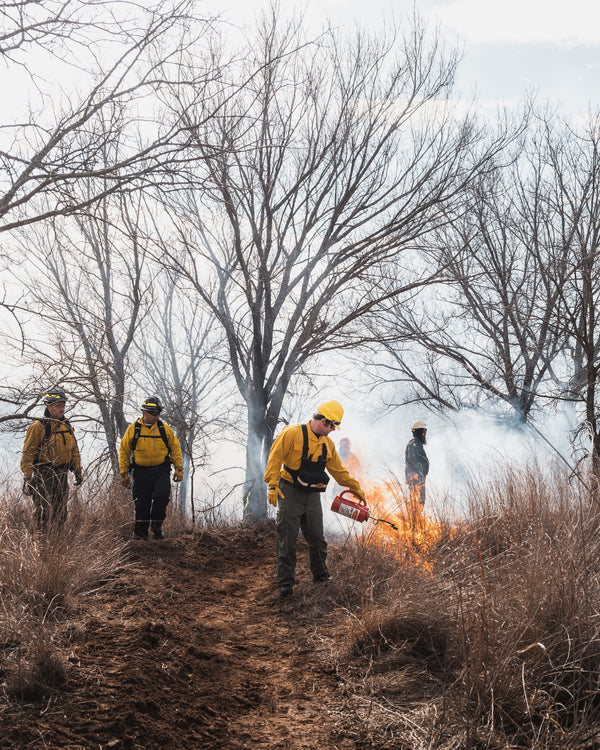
[(163, 434), (136, 434), (47, 432), (137, 430), (67, 424), (304, 441)]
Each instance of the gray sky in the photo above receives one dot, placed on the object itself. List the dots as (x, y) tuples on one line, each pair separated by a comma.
[(511, 47)]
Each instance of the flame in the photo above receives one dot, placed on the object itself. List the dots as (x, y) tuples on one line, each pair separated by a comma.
[(417, 532)]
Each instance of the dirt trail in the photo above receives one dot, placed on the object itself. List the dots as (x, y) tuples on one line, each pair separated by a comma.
[(192, 647)]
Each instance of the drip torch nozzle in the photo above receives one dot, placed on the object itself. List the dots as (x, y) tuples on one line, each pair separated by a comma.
[(382, 520)]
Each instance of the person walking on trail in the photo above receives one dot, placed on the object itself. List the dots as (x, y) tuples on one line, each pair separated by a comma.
[(296, 475), (50, 451), (148, 449), (416, 465)]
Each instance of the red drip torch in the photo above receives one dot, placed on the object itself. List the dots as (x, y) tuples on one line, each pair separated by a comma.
[(357, 511)]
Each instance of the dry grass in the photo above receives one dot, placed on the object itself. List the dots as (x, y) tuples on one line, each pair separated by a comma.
[(43, 580), (488, 638), (496, 630)]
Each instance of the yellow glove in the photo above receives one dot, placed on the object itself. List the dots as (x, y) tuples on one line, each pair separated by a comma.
[(360, 493), (274, 494), (178, 476), (125, 481)]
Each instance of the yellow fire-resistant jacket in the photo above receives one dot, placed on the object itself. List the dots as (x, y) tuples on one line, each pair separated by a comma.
[(60, 449), (150, 449), (287, 449)]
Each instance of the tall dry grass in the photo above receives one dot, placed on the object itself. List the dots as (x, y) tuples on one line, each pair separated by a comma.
[(488, 637), (44, 578)]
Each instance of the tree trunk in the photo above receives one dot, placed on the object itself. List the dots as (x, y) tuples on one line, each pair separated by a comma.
[(257, 447)]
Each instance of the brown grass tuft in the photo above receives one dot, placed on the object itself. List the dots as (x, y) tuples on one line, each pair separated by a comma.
[(499, 622)]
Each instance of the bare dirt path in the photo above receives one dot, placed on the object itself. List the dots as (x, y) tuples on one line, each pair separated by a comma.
[(191, 647)]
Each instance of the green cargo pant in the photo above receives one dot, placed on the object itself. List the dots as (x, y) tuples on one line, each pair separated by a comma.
[(299, 510), (50, 484)]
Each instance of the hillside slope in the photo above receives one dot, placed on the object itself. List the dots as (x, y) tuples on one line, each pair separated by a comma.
[(192, 647)]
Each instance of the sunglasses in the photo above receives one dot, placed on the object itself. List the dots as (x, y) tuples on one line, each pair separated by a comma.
[(330, 423)]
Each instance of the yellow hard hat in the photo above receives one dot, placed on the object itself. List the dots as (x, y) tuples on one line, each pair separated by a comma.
[(419, 426), (333, 411)]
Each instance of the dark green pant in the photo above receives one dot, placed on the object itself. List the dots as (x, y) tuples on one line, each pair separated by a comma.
[(50, 484), (299, 510)]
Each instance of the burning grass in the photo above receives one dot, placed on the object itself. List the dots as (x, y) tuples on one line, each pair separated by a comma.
[(497, 618)]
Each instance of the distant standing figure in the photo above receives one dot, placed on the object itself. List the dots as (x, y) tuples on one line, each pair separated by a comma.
[(50, 451), (348, 458), (350, 462), (148, 448), (416, 465)]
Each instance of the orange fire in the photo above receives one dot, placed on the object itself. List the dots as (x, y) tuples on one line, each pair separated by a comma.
[(417, 533)]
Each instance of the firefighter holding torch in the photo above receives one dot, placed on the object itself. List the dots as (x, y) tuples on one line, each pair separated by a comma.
[(296, 474)]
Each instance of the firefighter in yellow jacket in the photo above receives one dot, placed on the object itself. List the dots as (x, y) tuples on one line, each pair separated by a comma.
[(296, 475), (149, 448), (49, 452)]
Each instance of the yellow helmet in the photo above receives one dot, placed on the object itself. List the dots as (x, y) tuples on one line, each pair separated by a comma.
[(419, 426), (333, 411)]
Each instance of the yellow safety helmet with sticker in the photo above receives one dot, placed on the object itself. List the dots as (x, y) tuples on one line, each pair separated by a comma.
[(55, 397), (152, 405)]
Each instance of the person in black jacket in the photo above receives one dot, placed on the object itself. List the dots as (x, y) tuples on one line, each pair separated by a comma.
[(416, 465)]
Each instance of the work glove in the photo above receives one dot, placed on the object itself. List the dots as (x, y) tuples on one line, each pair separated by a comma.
[(27, 488), (178, 476), (78, 478), (125, 481), (359, 493), (274, 494)]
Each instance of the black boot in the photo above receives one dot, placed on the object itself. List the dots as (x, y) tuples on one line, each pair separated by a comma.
[(157, 531)]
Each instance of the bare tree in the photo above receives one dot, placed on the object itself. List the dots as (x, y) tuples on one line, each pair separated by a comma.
[(179, 355), (489, 328), (90, 289), (25, 25), (575, 160), (43, 153), (312, 188)]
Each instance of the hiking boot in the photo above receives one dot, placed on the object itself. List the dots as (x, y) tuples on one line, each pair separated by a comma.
[(140, 538), (285, 590), (158, 534), (322, 578)]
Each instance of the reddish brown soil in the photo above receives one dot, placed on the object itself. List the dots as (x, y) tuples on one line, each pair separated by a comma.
[(192, 647)]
